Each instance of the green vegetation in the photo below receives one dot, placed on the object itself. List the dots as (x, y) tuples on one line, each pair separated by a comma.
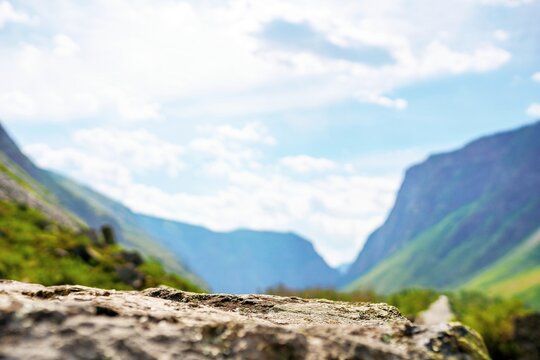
[(516, 274), (23, 179), (492, 317), (6, 170), (462, 220), (95, 208), (403, 270), (328, 294), (412, 301), (35, 249)]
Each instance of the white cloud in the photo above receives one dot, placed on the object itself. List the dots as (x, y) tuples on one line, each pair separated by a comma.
[(111, 157), (335, 212), (9, 14), (252, 132), (536, 77), (132, 110), (511, 3), (16, 102), (534, 110), (335, 208), (227, 148), (64, 45), (307, 164), (96, 171), (398, 104), (501, 35), (137, 150), (439, 58), (138, 61)]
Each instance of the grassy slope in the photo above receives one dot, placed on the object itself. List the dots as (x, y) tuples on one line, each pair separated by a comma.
[(431, 240), (34, 249), (83, 205), (428, 261), (60, 192), (81, 199), (401, 270), (516, 274), (35, 191)]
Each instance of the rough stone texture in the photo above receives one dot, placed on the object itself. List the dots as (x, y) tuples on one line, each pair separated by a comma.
[(76, 322)]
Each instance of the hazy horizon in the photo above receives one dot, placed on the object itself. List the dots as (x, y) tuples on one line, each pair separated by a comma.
[(281, 116)]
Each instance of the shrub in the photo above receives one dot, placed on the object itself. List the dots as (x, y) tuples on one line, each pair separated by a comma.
[(33, 251)]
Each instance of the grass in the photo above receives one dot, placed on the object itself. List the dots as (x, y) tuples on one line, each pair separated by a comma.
[(427, 260), (516, 274), (80, 199), (401, 269), (34, 249), (6, 170)]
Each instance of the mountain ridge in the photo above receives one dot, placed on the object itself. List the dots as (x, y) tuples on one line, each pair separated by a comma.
[(460, 211), (290, 257), (247, 272), (85, 204)]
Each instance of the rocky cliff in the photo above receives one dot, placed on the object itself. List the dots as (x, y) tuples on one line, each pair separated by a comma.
[(78, 322), (459, 212)]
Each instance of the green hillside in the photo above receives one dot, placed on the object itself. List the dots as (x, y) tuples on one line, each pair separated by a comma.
[(463, 219), (404, 270), (97, 210), (516, 274), (72, 204), (35, 249), (43, 241)]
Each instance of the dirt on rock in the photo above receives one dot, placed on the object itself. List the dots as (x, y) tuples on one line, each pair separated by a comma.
[(77, 322)]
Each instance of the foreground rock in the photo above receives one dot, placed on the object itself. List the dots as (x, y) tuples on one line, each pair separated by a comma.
[(76, 322)]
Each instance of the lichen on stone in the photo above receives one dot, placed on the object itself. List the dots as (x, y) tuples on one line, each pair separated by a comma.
[(162, 323)]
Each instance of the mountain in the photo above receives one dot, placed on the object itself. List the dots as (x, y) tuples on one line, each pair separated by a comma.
[(515, 274), (44, 242), (243, 261), (239, 261), (83, 205), (456, 215)]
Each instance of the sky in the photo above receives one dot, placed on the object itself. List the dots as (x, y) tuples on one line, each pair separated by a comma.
[(286, 115)]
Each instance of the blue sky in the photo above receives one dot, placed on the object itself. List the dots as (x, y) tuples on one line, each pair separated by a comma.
[(284, 115)]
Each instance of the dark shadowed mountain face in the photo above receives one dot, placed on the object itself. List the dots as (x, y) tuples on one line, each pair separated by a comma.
[(239, 261), (455, 214), (243, 261)]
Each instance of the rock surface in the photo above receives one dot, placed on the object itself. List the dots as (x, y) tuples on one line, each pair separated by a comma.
[(76, 322)]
